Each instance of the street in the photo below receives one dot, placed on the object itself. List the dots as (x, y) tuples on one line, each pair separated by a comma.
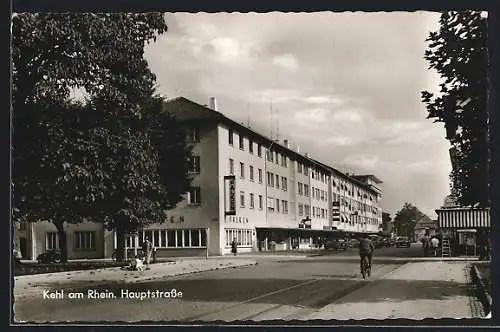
[(276, 288)]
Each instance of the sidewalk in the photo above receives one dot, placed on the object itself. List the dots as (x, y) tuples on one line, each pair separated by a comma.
[(29, 285), (413, 291)]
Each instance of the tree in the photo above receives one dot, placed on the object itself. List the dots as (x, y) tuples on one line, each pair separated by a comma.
[(406, 219), (99, 160), (386, 219), (459, 54)]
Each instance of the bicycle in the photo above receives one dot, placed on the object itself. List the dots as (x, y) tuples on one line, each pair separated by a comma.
[(366, 268)]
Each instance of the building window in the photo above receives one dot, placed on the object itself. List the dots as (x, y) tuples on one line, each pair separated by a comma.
[(231, 166), (299, 167), (259, 150), (300, 188), (52, 241), (277, 157), (301, 210), (250, 146), (312, 192), (277, 181), (270, 179), (277, 205), (306, 190), (260, 202), (242, 170), (284, 185), (260, 175), (323, 213), (307, 210), (251, 173), (242, 142), (270, 204), (284, 206), (243, 237), (283, 161), (242, 199), (194, 164), (252, 203), (231, 137), (194, 196), (194, 134), (85, 240), (306, 170), (270, 155)]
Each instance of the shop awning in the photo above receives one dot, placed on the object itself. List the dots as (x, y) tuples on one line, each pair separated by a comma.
[(463, 218)]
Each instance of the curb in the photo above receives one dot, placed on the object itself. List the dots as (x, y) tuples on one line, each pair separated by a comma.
[(137, 280), (131, 281), (481, 290)]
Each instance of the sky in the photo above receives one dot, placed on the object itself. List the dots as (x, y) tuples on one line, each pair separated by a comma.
[(344, 87)]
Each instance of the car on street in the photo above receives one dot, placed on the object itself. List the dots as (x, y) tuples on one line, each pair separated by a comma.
[(50, 256), (403, 242), (353, 243), (337, 244)]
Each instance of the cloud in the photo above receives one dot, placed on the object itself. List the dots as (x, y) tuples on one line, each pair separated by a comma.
[(286, 61)]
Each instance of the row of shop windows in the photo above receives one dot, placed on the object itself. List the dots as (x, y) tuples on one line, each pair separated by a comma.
[(81, 240), (169, 238), (243, 237)]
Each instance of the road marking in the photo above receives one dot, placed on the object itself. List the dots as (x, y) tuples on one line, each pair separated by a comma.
[(197, 317)]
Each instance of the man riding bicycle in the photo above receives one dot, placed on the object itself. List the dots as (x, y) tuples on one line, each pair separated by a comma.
[(366, 249)]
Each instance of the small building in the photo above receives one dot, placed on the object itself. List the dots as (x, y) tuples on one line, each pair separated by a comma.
[(423, 226), (467, 228)]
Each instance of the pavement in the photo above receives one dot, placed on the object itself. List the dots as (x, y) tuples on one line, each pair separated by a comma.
[(413, 291), (29, 285), (287, 287)]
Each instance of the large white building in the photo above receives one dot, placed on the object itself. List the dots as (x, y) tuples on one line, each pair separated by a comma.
[(246, 187)]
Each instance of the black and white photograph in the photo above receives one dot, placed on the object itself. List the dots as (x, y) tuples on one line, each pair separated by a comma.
[(226, 167)]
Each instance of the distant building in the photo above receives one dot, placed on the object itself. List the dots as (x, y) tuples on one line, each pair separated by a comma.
[(246, 187), (423, 226)]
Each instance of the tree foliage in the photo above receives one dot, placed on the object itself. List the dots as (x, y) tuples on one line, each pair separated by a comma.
[(102, 160), (406, 219), (458, 52)]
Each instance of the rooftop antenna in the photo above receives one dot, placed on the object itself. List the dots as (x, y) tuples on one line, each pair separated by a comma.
[(271, 120), (277, 126)]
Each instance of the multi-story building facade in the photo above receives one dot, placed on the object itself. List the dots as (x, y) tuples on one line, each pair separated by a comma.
[(246, 187)]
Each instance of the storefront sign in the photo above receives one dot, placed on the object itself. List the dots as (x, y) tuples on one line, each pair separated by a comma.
[(230, 195)]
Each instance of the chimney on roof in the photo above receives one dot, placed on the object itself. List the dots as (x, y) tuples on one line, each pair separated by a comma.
[(213, 103), (285, 142)]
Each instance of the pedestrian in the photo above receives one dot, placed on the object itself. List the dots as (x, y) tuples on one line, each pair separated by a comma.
[(425, 243), (234, 247), (147, 247), (435, 245), (154, 254)]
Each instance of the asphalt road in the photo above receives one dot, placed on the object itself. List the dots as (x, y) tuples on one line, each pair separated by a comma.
[(276, 288)]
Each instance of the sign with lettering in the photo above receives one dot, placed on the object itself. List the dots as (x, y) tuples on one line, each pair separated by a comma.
[(230, 195)]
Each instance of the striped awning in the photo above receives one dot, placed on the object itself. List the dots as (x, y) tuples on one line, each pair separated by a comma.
[(463, 218)]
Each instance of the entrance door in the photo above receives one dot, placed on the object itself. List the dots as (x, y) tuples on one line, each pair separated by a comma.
[(23, 246)]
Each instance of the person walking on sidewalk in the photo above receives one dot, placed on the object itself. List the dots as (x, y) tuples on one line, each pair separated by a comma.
[(366, 249), (435, 245), (147, 247), (234, 247)]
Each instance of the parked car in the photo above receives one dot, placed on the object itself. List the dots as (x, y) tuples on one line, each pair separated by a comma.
[(353, 243), (403, 242), (50, 256), (337, 244)]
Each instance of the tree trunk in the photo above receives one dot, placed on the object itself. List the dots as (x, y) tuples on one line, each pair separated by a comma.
[(63, 245), (120, 245)]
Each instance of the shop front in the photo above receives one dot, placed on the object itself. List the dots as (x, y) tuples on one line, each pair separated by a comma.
[(282, 239), (466, 229)]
